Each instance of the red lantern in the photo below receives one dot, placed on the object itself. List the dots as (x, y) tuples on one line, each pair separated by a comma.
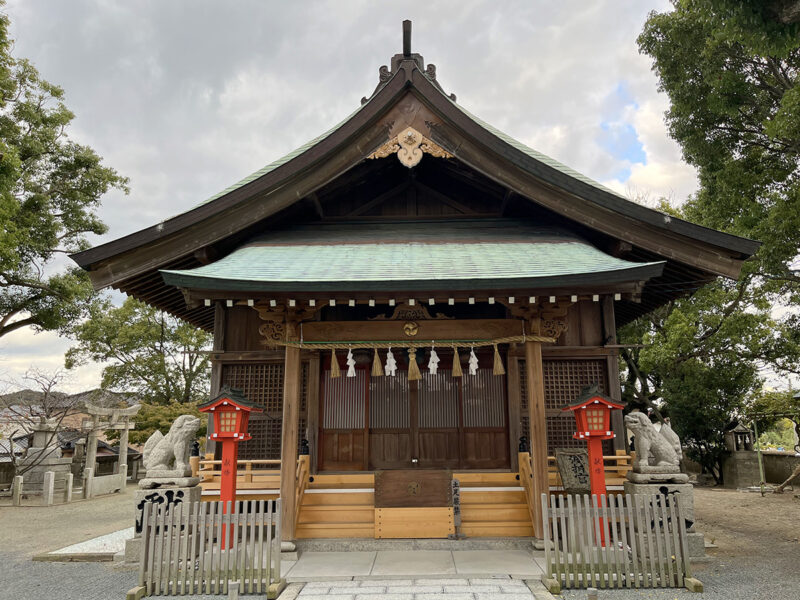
[(231, 412), (593, 420)]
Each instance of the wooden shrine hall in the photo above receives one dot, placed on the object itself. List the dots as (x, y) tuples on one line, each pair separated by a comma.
[(406, 297)]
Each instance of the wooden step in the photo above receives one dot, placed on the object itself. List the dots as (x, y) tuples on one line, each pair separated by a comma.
[(495, 512), (497, 529), (492, 497), (356, 515), (337, 498), (475, 479), (335, 530)]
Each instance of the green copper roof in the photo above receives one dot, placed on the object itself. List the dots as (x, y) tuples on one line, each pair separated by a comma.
[(463, 255)]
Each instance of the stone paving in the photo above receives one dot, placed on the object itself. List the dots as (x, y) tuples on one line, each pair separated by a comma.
[(494, 588)]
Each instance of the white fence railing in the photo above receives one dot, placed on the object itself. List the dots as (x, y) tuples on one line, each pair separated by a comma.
[(182, 548), (629, 541)]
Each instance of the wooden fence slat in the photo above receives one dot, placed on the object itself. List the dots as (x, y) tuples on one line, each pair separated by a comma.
[(586, 515), (580, 546), (243, 549), (613, 523), (623, 539), (608, 552), (557, 559), (668, 552), (143, 557), (151, 548), (636, 568), (657, 530), (183, 547), (648, 533), (161, 550), (251, 588), (219, 565), (199, 551), (687, 567), (676, 546), (210, 547), (563, 537), (260, 558), (573, 550), (175, 540), (598, 546), (275, 558)]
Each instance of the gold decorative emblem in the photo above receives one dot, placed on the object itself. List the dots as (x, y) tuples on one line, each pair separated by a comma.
[(413, 488), (409, 146), (411, 329)]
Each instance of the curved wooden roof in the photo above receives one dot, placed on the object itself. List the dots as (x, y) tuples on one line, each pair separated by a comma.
[(407, 95)]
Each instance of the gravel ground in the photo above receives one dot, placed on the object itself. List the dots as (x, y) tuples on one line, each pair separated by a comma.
[(757, 555)]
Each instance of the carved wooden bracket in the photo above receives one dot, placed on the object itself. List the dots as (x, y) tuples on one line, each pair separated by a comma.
[(280, 323), (409, 147), (552, 319)]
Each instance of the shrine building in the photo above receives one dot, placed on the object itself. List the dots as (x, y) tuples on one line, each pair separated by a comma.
[(413, 290)]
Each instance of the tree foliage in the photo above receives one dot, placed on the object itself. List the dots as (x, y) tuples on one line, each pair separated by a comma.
[(148, 352), (50, 187), (697, 360), (730, 69)]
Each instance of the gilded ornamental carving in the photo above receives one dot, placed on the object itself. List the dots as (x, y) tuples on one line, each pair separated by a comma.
[(409, 146)]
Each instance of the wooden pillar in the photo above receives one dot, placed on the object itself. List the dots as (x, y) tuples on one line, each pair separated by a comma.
[(538, 425), (216, 371), (614, 389), (291, 416)]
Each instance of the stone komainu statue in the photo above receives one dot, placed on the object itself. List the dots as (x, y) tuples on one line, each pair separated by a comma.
[(171, 452), (653, 448)]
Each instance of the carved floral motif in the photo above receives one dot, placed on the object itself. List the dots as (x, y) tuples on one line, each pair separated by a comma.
[(409, 147)]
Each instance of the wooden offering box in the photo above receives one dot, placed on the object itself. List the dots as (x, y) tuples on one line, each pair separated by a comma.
[(414, 503)]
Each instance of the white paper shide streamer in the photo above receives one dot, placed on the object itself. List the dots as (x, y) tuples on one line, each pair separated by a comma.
[(473, 362), (433, 362), (391, 364), (351, 364)]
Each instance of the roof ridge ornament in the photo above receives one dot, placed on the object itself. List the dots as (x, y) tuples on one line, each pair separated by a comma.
[(385, 73), (409, 145)]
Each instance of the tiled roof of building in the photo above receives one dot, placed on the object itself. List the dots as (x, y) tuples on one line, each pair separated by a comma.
[(491, 253)]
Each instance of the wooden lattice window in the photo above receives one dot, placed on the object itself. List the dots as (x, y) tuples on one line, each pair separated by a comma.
[(563, 381), (262, 383)]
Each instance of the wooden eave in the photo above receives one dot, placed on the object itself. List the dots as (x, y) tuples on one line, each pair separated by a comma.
[(131, 263)]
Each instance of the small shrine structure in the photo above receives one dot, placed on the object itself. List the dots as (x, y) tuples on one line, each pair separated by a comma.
[(412, 290)]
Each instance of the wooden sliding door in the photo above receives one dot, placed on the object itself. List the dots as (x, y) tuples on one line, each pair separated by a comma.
[(437, 422)]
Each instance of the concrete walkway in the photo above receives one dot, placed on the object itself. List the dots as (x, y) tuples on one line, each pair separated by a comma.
[(404, 564), (494, 588)]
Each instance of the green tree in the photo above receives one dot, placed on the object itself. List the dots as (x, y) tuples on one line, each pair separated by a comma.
[(50, 187), (730, 69), (773, 410), (697, 360), (148, 352)]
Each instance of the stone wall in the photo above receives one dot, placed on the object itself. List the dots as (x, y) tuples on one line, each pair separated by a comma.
[(740, 469)]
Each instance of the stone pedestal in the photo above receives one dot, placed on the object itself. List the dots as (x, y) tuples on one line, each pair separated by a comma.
[(740, 470), (685, 495), (164, 496), (44, 460)]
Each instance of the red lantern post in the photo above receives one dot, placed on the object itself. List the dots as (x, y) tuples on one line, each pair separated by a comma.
[(231, 412), (593, 424)]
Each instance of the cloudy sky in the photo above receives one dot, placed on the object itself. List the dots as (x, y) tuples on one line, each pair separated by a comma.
[(187, 96)]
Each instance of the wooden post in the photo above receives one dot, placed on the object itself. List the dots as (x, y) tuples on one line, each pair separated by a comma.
[(538, 424), (614, 388), (291, 415)]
